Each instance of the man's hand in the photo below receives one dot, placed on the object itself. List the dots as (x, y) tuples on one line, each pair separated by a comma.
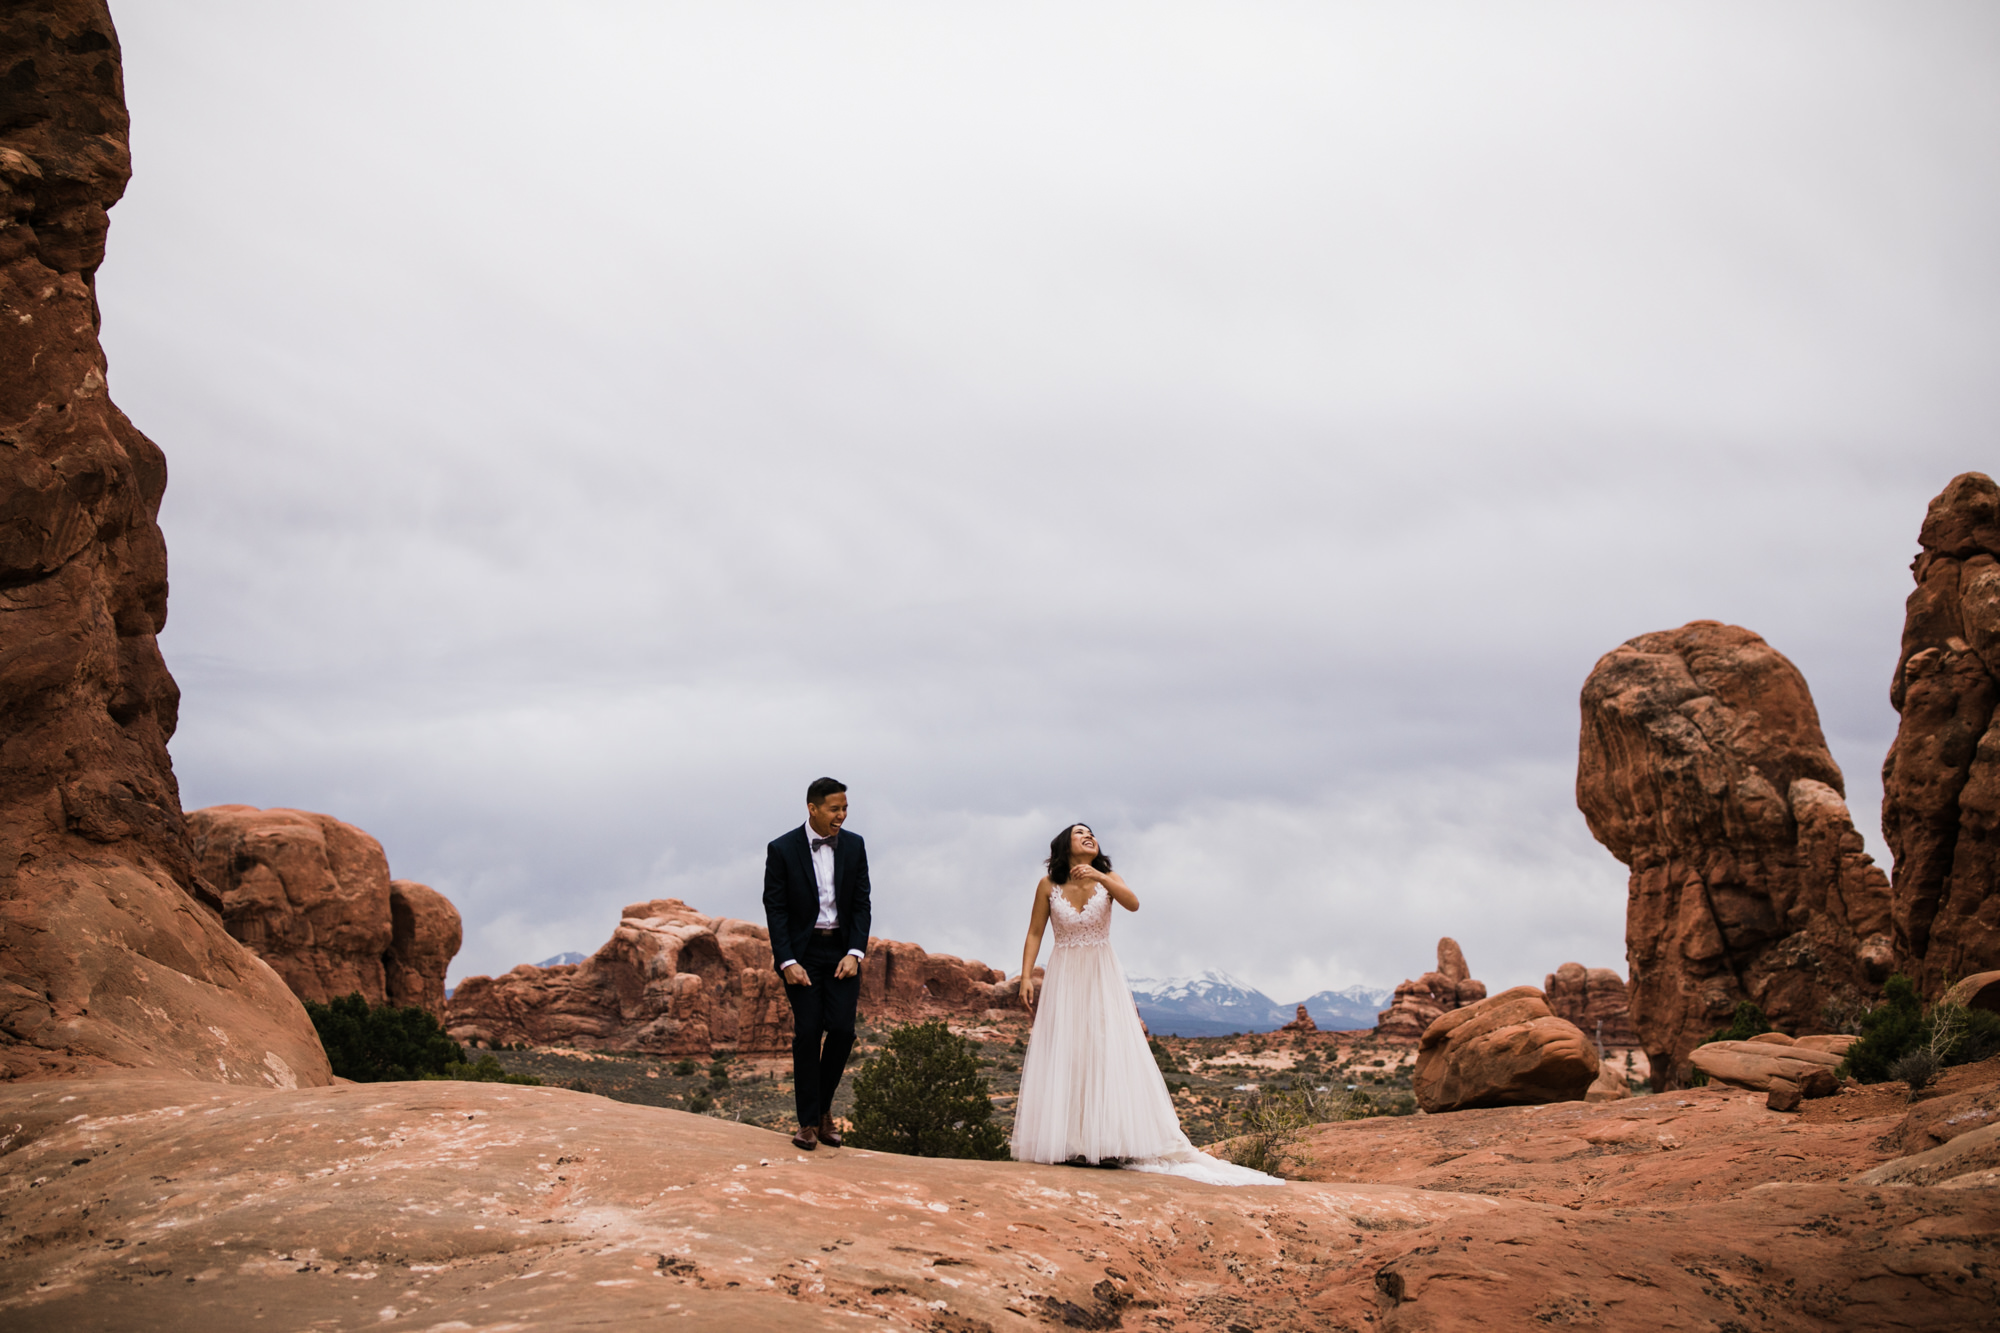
[(796, 976), (848, 966)]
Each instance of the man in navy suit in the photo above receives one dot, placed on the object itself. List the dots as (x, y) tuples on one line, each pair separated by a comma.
[(816, 904)]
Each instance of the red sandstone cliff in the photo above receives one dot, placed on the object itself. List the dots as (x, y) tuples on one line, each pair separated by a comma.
[(1941, 781), (312, 896), (674, 981), (1702, 767), (115, 951)]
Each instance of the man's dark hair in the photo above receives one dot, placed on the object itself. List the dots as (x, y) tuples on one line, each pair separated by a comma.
[(823, 788), (1059, 855)]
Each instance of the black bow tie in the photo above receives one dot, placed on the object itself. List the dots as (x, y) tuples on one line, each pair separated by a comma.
[(818, 843)]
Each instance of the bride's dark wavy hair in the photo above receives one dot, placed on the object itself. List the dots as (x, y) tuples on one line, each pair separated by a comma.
[(1059, 855)]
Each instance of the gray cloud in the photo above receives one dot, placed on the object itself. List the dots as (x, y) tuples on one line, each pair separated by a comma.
[(1242, 430)]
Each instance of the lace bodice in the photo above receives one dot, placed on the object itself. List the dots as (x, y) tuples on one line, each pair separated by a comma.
[(1084, 929)]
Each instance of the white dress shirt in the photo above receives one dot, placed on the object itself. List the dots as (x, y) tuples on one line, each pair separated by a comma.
[(829, 914)]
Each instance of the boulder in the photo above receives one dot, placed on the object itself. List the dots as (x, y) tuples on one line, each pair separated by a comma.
[(1782, 1095), (1610, 1084), (1508, 1050), (674, 981), (1702, 767), (1981, 990), (1941, 781), (1419, 1002), (313, 897), (1836, 1042), (1753, 1064), (1594, 999), (115, 950)]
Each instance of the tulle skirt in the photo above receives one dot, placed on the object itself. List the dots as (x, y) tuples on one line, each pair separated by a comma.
[(1089, 1086)]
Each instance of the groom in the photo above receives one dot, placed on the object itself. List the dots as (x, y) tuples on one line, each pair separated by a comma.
[(816, 904)]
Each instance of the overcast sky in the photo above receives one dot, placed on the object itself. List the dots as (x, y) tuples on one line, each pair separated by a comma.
[(1237, 426)]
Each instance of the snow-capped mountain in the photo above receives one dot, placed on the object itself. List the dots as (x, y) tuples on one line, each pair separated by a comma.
[(1215, 1004), (559, 959), (1346, 1010)]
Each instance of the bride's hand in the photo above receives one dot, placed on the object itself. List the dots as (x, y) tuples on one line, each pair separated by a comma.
[(1087, 874), (1028, 994)]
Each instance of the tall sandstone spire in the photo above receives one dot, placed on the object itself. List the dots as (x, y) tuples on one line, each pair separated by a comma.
[(1941, 781), (1702, 767), (112, 950)]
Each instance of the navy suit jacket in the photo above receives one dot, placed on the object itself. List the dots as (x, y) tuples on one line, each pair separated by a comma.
[(791, 893)]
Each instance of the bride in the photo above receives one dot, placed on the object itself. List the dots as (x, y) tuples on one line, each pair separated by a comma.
[(1089, 1087)]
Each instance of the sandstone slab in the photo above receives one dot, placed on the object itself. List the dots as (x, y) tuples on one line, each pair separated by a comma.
[(1702, 766), (1508, 1050), (1753, 1064), (430, 1206)]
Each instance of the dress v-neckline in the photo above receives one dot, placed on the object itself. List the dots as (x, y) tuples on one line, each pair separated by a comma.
[(1074, 910)]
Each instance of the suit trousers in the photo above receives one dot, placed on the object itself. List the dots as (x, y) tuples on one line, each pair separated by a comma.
[(822, 1028)]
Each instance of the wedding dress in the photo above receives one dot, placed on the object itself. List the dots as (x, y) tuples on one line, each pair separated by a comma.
[(1089, 1087)]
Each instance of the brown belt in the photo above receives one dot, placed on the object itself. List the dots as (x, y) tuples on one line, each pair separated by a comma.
[(829, 932)]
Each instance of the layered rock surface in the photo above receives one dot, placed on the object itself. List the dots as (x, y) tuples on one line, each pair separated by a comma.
[(547, 1208), (1941, 781), (115, 952), (1508, 1050), (1420, 1001), (1702, 767), (675, 981), (312, 896)]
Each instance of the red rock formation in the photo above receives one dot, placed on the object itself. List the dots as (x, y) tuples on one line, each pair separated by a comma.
[(674, 981), (313, 897), (1941, 782), (1594, 999), (1302, 1022), (424, 935), (115, 954), (1420, 1002), (1701, 766), (1508, 1050)]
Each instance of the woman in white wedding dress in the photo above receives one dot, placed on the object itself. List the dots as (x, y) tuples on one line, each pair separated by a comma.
[(1089, 1087)]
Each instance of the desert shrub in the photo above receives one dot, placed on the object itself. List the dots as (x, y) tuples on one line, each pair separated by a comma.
[(684, 1066), (1916, 1068), (922, 1094), (1902, 1026), (1163, 1057), (1274, 1122), (1749, 1022), (384, 1042), (700, 1102), (718, 1069), (486, 1069)]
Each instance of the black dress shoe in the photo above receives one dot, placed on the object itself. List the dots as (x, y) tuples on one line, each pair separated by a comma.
[(805, 1138), (827, 1133)]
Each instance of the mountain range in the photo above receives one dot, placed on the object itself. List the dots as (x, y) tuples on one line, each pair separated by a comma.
[(1216, 1004)]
